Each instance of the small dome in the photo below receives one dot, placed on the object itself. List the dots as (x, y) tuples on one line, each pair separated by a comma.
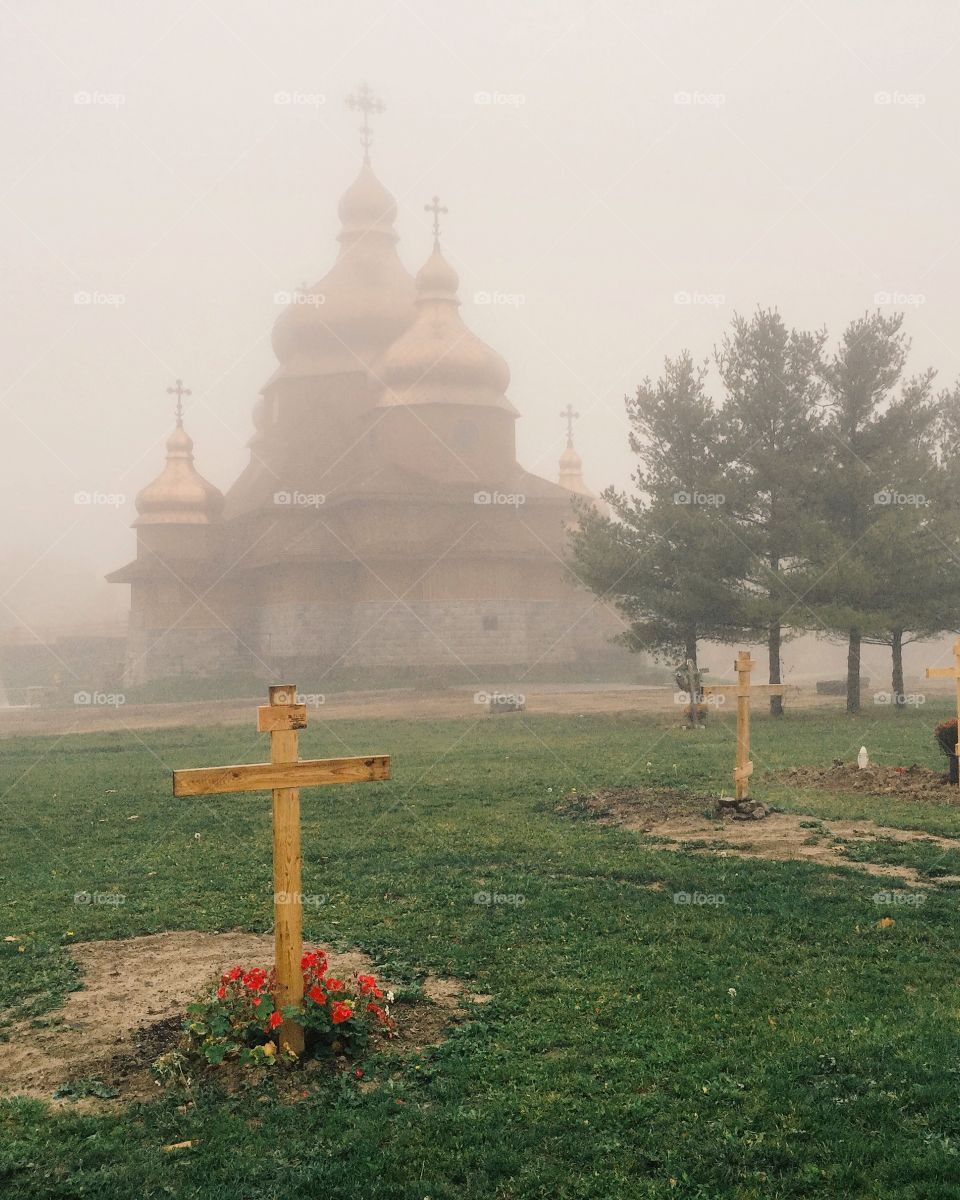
[(438, 360), (179, 495), (343, 322)]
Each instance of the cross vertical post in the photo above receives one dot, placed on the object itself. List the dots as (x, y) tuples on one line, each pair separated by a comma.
[(744, 666), (741, 689), (287, 898), (954, 674)]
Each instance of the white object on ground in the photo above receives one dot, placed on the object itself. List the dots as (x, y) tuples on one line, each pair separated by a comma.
[(863, 759)]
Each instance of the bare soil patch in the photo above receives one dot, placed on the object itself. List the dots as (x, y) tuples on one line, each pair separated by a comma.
[(911, 783), (686, 823), (131, 1007)]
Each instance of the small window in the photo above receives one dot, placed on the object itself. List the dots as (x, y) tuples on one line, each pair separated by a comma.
[(491, 622)]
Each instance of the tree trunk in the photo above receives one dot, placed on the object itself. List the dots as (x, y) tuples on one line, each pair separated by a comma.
[(899, 699), (690, 650), (853, 671), (773, 644)]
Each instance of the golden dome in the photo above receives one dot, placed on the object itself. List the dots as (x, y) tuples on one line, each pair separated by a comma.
[(438, 360), (343, 322), (179, 495)]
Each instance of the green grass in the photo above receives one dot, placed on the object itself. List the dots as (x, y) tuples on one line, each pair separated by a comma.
[(775, 1044)]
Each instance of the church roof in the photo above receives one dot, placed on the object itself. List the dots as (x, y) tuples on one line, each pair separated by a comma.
[(366, 299), (179, 495), (438, 360)]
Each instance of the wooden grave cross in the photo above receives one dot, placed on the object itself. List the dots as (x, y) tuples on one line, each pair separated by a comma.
[(742, 690), (285, 774), (950, 673)]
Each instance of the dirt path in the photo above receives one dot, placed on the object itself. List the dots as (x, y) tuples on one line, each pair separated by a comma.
[(136, 990), (402, 704)]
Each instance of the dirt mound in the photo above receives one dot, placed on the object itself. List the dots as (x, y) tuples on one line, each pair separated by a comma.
[(131, 1008), (688, 824), (914, 782)]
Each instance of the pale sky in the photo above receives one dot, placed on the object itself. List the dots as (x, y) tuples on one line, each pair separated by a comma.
[(793, 154)]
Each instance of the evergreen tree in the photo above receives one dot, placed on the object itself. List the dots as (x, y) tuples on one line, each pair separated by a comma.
[(665, 557), (770, 421)]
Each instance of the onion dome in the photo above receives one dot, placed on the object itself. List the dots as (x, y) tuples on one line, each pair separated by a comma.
[(571, 471), (179, 495), (343, 322), (438, 360)]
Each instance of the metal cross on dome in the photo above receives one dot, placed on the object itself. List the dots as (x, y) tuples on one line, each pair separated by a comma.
[(436, 208), (366, 102), (179, 391), (570, 416)]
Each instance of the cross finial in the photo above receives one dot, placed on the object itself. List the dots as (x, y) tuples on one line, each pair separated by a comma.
[(366, 102), (570, 416), (179, 391), (436, 208)]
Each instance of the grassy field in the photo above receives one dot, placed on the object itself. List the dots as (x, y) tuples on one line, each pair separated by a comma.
[(779, 1044)]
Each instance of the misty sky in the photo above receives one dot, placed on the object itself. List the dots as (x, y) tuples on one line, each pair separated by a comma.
[(813, 166)]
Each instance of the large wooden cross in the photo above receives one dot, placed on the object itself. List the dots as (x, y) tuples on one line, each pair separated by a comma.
[(950, 673), (742, 690), (286, 774)]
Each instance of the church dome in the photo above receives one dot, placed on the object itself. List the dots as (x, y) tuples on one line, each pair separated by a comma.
[(365, 301), (437, 360), (179, 495)]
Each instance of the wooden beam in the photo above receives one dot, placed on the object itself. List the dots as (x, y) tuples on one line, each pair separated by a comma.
[(941, 672), (259, 777), (281, 717)]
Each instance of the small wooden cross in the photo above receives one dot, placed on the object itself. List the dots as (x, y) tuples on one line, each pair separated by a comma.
[(366, 102), (285, 773), (436, 208), (741, 689), (950, 673)]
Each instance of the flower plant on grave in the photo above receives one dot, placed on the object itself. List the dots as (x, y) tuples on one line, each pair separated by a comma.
[(238, 1022)]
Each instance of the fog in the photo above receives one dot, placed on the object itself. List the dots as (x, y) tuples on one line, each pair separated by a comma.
[(621, 177)]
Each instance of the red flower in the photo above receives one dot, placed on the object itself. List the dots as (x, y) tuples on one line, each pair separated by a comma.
[(379, 1014), (367, 983), (257, 1000), (275, 1020), (221, 992), (340, 1012), (317, 995), (334, 985)]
